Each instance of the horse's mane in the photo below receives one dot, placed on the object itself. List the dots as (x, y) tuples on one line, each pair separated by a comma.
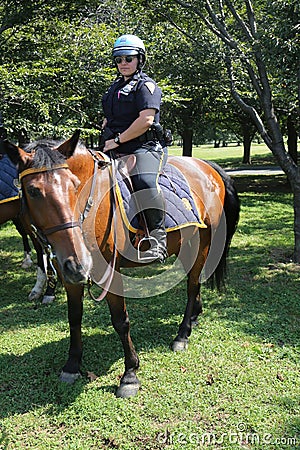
[(44, 155)]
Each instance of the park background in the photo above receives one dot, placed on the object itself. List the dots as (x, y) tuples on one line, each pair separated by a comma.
[(237, 386)]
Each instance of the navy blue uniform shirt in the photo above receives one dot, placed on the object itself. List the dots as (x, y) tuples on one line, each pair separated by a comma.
[(124, 101)]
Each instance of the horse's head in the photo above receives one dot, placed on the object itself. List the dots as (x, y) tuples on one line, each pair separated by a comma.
[(50, 195)]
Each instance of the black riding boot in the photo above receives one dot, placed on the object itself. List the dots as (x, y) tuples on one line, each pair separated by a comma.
[(155, 219)]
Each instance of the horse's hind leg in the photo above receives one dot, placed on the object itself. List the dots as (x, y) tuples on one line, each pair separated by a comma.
[(180, 343), (194, 303), (27, 261)]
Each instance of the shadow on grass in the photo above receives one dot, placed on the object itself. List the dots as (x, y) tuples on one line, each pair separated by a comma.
[(262, 183), (257, 308), (261, 305), (31, 380), (266, 159)]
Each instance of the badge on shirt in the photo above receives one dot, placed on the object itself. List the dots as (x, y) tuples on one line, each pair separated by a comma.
[(150, 86), (127, 88)]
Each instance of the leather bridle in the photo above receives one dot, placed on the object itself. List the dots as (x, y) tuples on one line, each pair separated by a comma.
[(41, 235)]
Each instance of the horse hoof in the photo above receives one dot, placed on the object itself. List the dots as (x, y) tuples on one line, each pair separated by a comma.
[(127, 390), (27, 262), (179, 346), (69, 378), (48, 299), (34, 295)]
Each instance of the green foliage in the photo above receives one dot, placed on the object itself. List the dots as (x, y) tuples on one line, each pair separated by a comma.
[(53, 74), (55, 62)]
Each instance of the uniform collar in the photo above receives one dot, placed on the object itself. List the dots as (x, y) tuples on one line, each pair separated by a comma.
[(136, 76)]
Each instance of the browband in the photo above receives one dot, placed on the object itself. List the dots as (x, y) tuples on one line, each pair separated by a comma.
[(41, 169)]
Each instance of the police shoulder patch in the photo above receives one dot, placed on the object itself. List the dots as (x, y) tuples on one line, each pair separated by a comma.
[(150, 86)]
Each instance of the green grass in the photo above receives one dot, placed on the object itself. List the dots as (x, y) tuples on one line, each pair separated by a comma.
[(230, 156), (236, 387)]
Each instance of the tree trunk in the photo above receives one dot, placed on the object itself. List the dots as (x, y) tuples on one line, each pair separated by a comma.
[(187, 137), (92, 141), (292, 139), (296, 204), (247, 139), (23, 138), (186, 130), (293, 175)]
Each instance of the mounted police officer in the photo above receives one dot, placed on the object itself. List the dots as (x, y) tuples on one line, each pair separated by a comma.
[(131, 107)]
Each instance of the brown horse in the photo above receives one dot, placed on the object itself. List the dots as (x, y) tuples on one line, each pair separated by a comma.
[(11, 210), (59, 184)]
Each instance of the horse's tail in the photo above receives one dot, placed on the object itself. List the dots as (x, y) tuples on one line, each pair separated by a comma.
[(231, 211)]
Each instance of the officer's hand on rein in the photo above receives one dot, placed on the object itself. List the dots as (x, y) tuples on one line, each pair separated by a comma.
[(110, 144)]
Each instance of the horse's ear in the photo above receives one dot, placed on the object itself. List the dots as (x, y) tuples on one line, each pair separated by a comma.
[(16, 154), (68, 147)]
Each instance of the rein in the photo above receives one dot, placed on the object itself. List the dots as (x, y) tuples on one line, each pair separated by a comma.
[(109, 272)]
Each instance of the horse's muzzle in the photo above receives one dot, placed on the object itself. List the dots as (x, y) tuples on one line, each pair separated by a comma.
[(74, 272)]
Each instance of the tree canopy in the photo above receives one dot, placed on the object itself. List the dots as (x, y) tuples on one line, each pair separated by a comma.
[(55, 61)]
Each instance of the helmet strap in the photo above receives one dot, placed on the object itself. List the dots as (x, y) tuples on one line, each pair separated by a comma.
[(142, 61)]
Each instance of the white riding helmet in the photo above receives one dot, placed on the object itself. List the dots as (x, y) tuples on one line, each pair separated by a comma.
[(129, 44)]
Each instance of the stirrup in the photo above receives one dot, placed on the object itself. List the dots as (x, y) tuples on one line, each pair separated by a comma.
[(153, 246)]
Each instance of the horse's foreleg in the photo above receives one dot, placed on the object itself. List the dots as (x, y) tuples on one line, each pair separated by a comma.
[(37, 289), (71, 370), (27, 261), (129, 384), (49, 295), (43, 278)]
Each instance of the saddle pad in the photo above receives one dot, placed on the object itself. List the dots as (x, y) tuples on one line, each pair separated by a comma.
[(181, 210), (8, 178)]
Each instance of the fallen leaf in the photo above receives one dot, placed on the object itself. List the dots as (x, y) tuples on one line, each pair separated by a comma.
[(279, 376), (91, 376), (183, 369), (209, 379)]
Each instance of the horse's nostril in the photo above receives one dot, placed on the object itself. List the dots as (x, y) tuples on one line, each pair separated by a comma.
[(70, 265), (73, 271)]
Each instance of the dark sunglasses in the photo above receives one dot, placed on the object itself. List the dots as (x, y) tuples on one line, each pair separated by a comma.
[(128, 59)]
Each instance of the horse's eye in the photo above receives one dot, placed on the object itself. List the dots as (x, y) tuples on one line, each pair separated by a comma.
[(34, 192)]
